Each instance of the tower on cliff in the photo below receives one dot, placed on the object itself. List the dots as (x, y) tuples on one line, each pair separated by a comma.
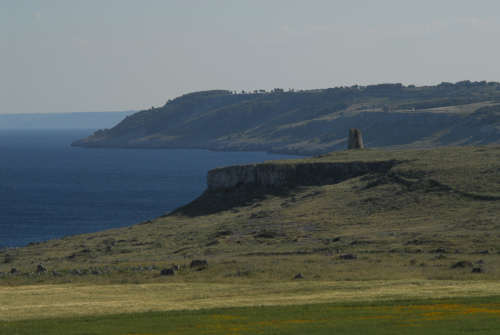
[(355, 140)]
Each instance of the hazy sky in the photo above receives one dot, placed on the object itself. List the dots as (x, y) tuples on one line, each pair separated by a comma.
[(72, 56)]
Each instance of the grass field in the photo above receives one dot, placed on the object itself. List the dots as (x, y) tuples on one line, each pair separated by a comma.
[(45, 301), (451, 316), (371, 251), (434, 209)]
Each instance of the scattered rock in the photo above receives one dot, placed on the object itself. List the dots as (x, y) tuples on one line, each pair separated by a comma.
[(477, 270), (348, 256), (13, 271), (440, 256), (167, 272), (109, 241), (244, 273), (461, 265), (72, 256), (298, 276), (415, 242), (223, 233), (266, 234), (84, 252), (8, 258), (214, 242), (259, 215), (181, 250), (40, 268), (484, 252), (76, 272), (198, 264)]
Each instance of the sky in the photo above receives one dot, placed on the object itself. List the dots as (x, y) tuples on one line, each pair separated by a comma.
[(110, 55)]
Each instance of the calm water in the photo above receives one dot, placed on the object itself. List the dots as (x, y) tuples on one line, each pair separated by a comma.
[(49, 189)]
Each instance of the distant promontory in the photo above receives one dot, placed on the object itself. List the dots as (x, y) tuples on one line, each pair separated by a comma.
[(314, 121)]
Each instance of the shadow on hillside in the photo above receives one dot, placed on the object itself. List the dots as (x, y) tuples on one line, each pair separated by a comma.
[(211, 202)]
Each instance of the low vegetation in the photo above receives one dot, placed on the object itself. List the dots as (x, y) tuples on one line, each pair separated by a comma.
[(425, 226), (427, 213)]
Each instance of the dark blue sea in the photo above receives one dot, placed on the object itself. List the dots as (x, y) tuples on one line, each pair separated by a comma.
[(49, 189)]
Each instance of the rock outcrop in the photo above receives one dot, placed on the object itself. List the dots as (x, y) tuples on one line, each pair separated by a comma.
[(278, 175)]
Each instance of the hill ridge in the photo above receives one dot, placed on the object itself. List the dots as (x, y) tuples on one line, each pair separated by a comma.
[(315, 121)]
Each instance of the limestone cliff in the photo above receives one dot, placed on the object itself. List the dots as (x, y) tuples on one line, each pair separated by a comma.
[(239, 185), (275, 175)]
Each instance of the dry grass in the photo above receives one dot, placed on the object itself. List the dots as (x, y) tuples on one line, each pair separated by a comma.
[(46, 301)]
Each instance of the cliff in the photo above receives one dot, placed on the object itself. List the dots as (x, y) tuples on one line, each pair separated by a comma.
[(239, 185), (288, 175)]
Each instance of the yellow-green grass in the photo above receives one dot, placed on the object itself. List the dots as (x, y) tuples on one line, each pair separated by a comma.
[(49, 301), (450, 316)]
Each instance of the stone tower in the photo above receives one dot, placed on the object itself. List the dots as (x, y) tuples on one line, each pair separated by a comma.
[(355, 140)]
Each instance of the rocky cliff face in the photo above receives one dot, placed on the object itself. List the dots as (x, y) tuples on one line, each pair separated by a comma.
[(283, 175)]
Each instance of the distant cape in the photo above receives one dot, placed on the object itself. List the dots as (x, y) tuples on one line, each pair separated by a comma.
[(315, 121)]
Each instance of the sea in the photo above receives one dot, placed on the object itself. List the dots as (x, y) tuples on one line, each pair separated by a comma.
[(49, 189)]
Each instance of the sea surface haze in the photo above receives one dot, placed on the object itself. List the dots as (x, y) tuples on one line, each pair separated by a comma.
[(49, 189)]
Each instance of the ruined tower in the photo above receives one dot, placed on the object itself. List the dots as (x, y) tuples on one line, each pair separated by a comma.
[(355, 140)]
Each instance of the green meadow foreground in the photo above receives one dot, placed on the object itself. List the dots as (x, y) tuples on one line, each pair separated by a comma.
[(357, 253), (45, 301), (451, 316)]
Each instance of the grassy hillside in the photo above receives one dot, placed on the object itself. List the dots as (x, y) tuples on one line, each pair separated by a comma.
[(432, 215), (315, 121)]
